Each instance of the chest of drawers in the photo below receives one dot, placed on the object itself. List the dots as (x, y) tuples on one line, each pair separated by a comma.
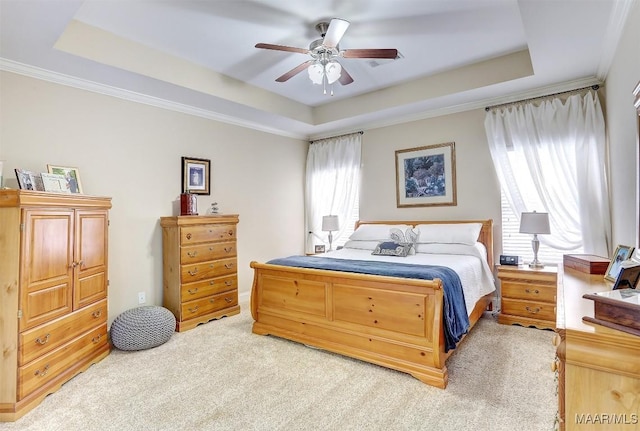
[(528, 296), (200, 274)]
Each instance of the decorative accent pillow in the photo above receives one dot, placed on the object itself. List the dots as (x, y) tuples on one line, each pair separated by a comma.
[(455, 233), (409, 236), (392, 248)]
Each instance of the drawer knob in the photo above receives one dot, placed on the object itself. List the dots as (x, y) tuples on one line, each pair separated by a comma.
[(192, 253), (188, 236), (193, 310), (44, 340), (228, 265), (228, 249), (192, 291), (43, 372), (228, 283), (229, 300), (211, 283), (536, 291), (212, 300), (534, 310), (97, 313), (96, 340), (194, 272)]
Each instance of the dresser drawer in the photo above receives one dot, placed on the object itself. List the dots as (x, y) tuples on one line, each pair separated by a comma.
[(45, 338), (530, 309), (206, 270), (205, 252), (213, 286), (210, 304), (49, 366), (207, 233), (537, 277), (528, 291)]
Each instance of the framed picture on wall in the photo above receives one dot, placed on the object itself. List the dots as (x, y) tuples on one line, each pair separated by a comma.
[(426, 176), (196, 176)]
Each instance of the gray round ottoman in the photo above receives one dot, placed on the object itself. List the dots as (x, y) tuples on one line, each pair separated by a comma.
[(142, 328)]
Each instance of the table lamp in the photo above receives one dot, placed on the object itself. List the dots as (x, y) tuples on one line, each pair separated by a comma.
[(330, 224), (535, 223)]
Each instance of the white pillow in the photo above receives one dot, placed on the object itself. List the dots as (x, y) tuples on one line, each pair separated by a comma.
[(361, 245), (454, 233), (375, 232), (440, 248)]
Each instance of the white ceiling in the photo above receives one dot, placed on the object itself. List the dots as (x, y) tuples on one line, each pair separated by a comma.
[(199, 56)]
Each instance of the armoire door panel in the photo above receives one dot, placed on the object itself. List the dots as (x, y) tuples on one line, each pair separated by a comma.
[(92, 239), (48, 245), (42, 305), (90, 289)]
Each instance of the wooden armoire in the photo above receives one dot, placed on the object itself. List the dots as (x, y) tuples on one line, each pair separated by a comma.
[(53, 293)]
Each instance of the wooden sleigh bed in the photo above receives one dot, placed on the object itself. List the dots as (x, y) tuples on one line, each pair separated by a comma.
[(389, 321)]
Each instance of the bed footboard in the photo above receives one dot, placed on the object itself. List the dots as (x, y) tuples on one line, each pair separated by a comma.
[(392, 322)]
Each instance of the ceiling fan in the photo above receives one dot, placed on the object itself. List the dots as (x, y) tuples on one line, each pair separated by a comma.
[(323, 66)]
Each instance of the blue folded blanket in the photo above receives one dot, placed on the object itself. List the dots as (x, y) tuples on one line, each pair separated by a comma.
[(456, 320)]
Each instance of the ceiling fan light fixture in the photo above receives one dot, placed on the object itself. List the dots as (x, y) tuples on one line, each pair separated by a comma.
[(333, 70), (316, 73)]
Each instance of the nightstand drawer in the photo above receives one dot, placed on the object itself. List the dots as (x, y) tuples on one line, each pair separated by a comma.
[(530, 309), (529, 291), (526, 276)]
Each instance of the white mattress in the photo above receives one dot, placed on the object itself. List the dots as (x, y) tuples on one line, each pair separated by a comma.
[(473, 270)]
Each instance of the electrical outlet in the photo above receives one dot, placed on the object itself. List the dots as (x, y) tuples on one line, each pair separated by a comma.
[(142, 297)]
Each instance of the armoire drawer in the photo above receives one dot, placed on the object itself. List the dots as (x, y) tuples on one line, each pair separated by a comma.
[(213, 286), (39, 372), (205, 252), (206, 270), (207, 233), (210, 304), (45, 338)]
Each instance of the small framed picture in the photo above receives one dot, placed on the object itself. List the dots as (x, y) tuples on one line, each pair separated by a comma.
[(623, 252), (55, 183), (71, 177), (627, 277), (196, 176), (25, 179), (319, 248)]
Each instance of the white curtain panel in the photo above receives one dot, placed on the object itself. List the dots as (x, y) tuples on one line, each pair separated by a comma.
[(551, 158), (332, 179)]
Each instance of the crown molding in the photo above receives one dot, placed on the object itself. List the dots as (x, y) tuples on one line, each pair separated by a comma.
[(107, 90), (617, 21)]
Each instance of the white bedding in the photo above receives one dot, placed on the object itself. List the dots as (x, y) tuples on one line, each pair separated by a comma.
[(473, 270)]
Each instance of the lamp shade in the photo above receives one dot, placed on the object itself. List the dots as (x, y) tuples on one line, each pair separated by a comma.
[(330, 223), (534, 222)]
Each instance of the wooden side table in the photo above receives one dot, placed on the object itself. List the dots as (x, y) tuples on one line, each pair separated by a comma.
[(528, 296)]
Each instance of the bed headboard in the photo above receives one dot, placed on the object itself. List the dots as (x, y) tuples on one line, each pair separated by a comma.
[(485, 236)]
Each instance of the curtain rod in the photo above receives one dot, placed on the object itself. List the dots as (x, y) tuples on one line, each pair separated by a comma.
[(338, 136), (594, 87)]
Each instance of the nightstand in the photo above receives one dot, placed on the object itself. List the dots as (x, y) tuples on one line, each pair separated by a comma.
[(528, 296)]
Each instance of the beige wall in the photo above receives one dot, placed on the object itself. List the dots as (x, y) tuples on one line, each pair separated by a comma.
[(478, 192), (131, 152), (622, 129)]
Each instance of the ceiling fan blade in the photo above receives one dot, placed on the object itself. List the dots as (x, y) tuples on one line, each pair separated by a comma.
[(337, 28), (370, 53), (345, 78), (293, 72), (282, 48)]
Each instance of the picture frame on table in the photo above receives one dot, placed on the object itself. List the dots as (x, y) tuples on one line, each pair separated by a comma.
[(196, 176), (622, 253), (426, 176), (319, 248), (70, 175), (55, 183), (28, 180)]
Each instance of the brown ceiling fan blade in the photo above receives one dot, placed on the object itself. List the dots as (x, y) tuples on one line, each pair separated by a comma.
[(345, 78), (337, 28), (293, 72), (282, 48), (370, 53)]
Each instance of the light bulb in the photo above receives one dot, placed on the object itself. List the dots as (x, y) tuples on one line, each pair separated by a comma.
[(316, 73)]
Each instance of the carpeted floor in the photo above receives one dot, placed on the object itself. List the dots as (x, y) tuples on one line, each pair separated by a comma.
[(220, 376)]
